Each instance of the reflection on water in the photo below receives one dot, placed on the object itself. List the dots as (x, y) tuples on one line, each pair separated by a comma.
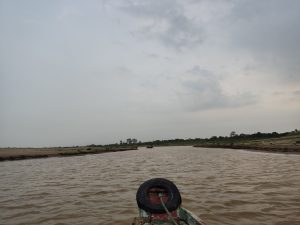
[(220, 186)]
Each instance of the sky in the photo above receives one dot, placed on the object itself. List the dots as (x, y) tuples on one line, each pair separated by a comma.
[(96, 72)]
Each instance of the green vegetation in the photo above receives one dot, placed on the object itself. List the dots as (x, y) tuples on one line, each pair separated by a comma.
[(288, 142), (275, 142), (233, 139), (286, 138)]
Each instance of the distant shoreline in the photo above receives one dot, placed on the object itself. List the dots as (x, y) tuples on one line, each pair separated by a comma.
[(11, 154), (287, 143), (289, 149)]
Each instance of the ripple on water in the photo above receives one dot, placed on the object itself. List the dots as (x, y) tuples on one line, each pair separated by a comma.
[(220, 186)]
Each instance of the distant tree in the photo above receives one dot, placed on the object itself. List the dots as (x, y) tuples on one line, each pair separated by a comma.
[(258, 134), (129, 141), (232, 134)]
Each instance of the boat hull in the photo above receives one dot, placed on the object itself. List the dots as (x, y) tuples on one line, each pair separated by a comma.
[(181, 216)]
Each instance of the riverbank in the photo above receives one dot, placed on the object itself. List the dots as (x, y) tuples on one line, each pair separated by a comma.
[(285, 144), (32, 153), (288, 142), (295, 149)]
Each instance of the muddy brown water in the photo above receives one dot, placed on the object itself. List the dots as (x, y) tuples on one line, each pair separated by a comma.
[(221, 186)]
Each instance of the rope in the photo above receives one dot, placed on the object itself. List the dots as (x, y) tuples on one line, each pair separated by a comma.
[(167, 211)]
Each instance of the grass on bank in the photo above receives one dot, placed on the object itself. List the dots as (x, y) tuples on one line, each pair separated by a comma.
[(274, 138)]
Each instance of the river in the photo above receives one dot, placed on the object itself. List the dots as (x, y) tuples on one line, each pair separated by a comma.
[(221, 186)]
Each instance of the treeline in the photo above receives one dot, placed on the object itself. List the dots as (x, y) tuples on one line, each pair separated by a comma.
[(233, 137)]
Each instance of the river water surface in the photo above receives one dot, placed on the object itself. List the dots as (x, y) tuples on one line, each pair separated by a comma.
[(221, 186)]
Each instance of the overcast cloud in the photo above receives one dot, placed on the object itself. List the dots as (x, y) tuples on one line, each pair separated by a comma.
[(165, 21), (202, 91), (97, 72)]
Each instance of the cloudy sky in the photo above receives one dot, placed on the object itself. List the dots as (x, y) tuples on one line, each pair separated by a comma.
[(97, 72)]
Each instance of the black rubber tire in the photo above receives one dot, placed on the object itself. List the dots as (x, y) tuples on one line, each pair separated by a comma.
[(173, 202)]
